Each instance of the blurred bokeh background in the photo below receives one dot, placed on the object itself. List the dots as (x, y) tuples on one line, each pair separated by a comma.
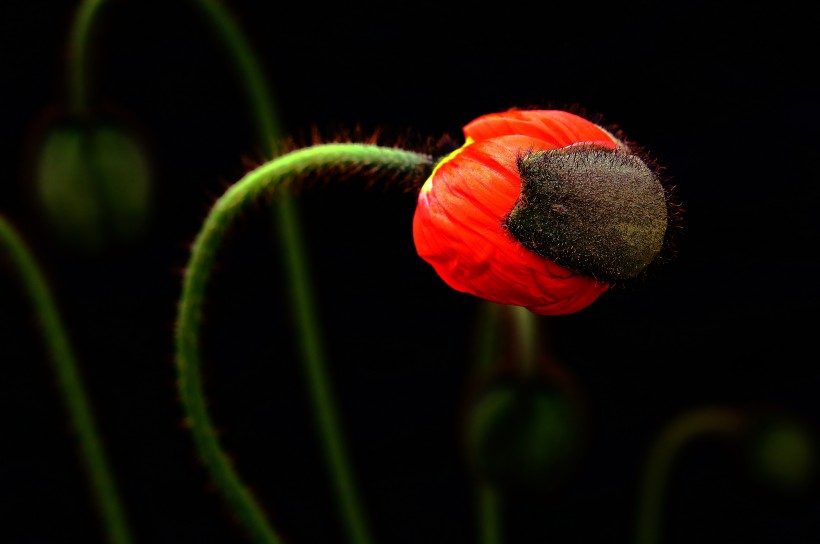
[(720, 95)]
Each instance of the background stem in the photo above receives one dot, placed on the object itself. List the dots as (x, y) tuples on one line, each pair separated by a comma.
[(78, 55), (525, 328), (82, 421), (489, 519), (490, 344), (256, 87), (669, 443)]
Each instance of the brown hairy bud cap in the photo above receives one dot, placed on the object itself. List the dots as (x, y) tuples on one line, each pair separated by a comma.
[(599, 212)]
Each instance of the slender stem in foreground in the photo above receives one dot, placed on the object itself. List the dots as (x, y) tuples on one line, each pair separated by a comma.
[(70, 383), (271, 175), (667, 446)]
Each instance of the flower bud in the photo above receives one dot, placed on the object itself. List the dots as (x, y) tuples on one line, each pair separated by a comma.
[(541, 209), (93, 183), (523, 435)]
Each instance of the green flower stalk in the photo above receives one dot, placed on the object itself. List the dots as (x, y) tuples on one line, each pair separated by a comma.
[(71, 386), (277, 176)]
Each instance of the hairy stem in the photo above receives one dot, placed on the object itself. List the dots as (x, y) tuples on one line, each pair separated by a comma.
[(667, 446), (71, 386), (271, 175), (296, 268)]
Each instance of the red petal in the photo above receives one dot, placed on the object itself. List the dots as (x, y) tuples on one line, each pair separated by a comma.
[(559, 128)]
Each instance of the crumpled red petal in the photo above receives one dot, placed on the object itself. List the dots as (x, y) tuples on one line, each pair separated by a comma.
[(458, 224)]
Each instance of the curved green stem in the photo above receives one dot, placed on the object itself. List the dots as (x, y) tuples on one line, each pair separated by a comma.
[(672, 439), (296, 270), (274, 174), (71, 386)]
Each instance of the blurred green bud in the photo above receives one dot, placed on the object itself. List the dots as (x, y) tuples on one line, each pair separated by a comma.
[(93, 182), (782, 453), (523, 435)]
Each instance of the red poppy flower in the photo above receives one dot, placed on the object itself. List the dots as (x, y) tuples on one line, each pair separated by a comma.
[(460, 224)]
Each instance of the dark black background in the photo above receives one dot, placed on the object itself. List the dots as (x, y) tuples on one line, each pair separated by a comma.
[(720, 95)]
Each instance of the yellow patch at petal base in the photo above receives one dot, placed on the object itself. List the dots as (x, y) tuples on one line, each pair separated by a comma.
[(428, 185)]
